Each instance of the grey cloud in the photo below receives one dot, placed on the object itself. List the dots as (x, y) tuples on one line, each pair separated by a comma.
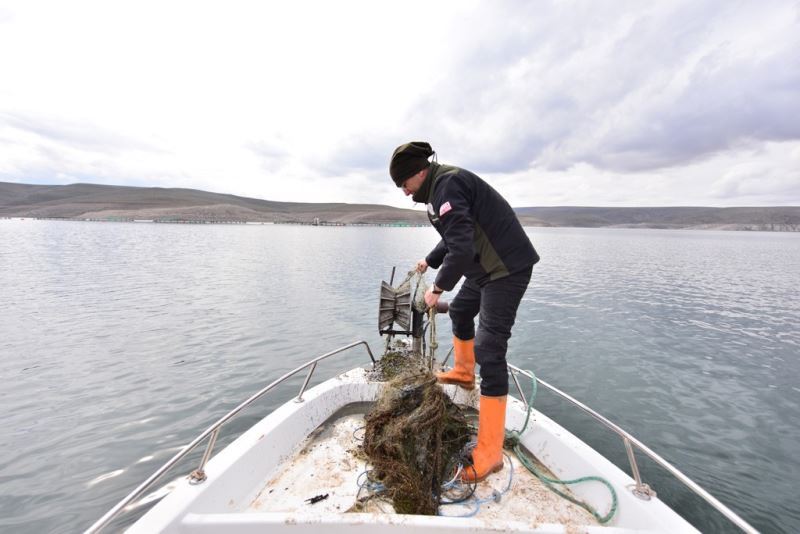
[(723, 107), (781, 191), (272, 155), (553, 86), (6, 15), (370, 153), (776, 183), (61, 149), (367, 154), (73, 133)]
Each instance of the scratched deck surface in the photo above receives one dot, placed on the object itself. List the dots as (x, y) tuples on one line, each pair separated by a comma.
[(329, 464)]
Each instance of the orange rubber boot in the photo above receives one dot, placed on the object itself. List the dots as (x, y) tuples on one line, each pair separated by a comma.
[(463, 372), (487, 457)]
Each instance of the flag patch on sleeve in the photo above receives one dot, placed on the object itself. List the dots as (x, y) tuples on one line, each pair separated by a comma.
[(445, 208)]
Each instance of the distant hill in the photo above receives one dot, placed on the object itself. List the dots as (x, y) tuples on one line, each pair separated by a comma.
[(93, 201), (777, 218)]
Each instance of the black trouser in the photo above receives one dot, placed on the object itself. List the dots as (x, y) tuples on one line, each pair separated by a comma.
[(497, 303)]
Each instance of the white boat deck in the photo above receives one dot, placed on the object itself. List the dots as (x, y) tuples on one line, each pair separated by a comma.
[(262, 481), (330, 464)]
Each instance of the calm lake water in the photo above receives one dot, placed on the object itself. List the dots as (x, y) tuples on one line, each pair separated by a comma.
[(119, 343)]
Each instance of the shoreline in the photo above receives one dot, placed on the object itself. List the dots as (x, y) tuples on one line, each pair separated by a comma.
[(725, 227)]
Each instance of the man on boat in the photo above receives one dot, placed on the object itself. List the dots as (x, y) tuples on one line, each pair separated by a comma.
[(483, 241)]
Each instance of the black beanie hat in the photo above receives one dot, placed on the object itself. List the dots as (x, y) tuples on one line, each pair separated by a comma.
[(408, 160)]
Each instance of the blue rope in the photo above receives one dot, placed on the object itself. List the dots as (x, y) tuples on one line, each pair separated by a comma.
[(375, 487), (478, 502)]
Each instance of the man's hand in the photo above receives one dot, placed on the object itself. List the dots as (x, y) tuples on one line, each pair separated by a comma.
[(431, 298), (422, 265)]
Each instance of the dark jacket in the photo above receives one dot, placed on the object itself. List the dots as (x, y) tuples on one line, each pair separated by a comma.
[(482, 238)]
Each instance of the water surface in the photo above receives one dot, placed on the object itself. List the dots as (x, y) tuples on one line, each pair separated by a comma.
[(119, 343)]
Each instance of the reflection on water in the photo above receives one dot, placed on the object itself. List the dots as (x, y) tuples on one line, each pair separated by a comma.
[(121, 342)]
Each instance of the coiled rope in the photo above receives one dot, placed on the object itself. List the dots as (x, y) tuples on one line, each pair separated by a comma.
[(512, 440)]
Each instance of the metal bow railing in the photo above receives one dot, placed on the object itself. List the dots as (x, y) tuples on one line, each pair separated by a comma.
[(198, 476), (640, 489)]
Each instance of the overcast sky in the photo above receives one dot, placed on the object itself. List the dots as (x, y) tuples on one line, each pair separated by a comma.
[(554, 103)]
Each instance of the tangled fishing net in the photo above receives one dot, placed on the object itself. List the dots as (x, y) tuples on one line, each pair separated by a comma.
[(414, 436)]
